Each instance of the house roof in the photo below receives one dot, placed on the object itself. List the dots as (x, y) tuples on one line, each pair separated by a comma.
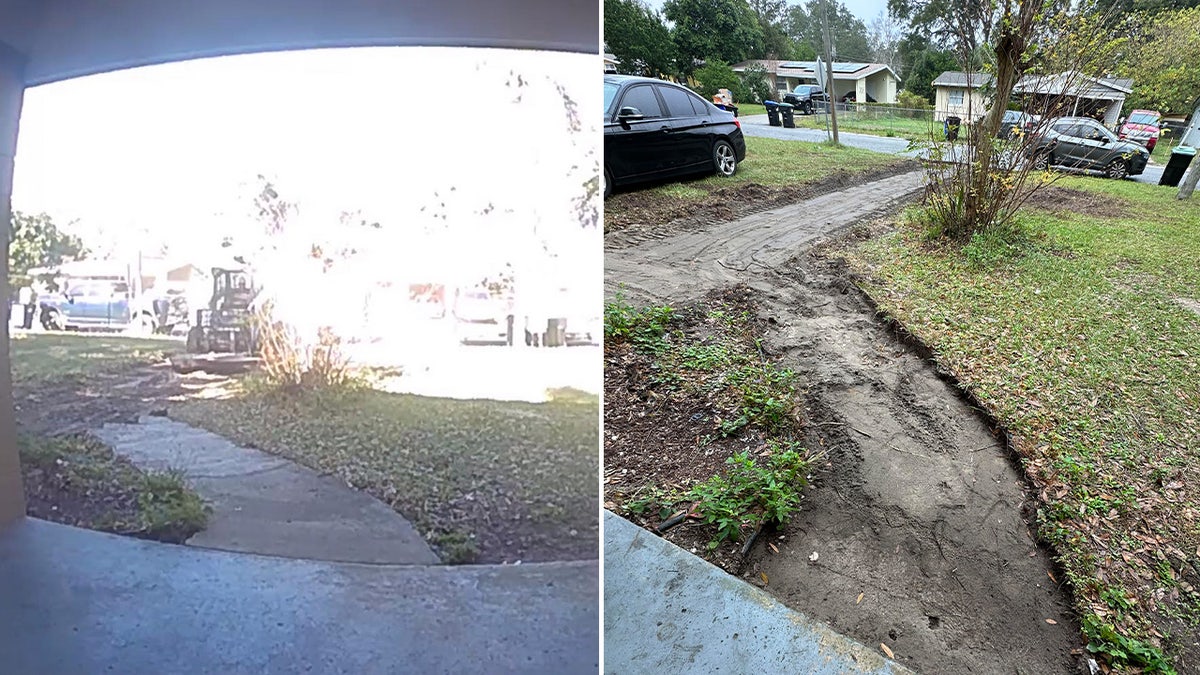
[(808, 69), (1075, 84), (957, 78)]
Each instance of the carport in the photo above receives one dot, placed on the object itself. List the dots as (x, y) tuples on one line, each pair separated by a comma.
[(1075, 95), (43, 41)]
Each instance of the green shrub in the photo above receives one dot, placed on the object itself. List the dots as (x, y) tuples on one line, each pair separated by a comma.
[(907, 99), (753, 493)]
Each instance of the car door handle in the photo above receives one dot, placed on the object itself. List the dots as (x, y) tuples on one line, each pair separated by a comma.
[(665, 129)]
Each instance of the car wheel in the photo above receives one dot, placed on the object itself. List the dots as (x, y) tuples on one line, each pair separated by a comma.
[(1042, 160), (724, 158), (808, 108), (606, 184), (1117, 169), (53, 321), (142, 325)]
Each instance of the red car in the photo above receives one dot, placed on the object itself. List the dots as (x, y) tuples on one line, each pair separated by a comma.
[(1142, 127)]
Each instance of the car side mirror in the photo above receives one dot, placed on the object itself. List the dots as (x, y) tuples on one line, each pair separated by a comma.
[(630, 113)]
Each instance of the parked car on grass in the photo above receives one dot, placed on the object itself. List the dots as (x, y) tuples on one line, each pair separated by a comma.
[(1084, 143), (656, 130), (807, 98), (1142, 127)]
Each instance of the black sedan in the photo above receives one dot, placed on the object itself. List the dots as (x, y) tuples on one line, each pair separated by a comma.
[(655, 130)]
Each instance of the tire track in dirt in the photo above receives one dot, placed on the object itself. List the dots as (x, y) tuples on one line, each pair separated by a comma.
[(921, 510), (682, 267)]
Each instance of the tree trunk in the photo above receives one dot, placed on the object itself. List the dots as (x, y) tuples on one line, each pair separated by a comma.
[(1008, 50)]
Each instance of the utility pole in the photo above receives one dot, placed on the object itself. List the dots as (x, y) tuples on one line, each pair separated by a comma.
[(832, 103)]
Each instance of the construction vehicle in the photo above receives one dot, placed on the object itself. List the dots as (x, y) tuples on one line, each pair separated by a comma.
[(226, 326)]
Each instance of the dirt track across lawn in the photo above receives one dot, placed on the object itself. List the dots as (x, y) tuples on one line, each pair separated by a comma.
[(923, 511)]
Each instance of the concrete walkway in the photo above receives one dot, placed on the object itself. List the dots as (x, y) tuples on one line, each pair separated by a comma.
[(269, 505), (667, 611), (78, 601)]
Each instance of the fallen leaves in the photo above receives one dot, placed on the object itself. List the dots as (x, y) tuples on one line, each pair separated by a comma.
[(887, 650), (1052, 622), (860, 597)]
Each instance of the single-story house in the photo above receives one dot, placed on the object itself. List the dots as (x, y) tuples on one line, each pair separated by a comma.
[(961, 95), (610, 63), (866, 82)]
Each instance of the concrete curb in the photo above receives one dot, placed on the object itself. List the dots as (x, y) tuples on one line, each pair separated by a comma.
[(667, 611)]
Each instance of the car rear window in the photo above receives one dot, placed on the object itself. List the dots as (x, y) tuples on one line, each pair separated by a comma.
[(642, 97), (1143, 118)]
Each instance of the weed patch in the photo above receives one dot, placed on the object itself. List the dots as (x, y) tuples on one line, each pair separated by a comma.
[(700, 425), (77, 480)]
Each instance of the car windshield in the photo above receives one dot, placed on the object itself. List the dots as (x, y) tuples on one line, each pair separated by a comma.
[(1143, 118), (610, 92)]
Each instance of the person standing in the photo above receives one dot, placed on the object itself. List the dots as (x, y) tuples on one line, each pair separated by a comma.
[(28, 302)]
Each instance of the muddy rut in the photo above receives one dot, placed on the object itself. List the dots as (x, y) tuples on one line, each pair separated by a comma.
[(922, 510)]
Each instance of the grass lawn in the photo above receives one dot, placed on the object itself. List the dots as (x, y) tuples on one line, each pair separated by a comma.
[(751, 109), (1082, 337), (483, 480), (39, 357), (868, 123), (776, 163)]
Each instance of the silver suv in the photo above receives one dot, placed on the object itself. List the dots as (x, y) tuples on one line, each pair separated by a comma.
[(1084, 143)]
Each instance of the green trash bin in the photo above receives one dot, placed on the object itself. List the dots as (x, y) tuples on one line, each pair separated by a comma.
[(1181, 158)]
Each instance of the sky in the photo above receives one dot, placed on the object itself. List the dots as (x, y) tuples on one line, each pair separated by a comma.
[(171, 153)]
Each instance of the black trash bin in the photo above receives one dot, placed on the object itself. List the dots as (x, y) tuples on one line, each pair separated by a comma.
[(787, 114), (1181, 157), (772, 112), (951, 127)]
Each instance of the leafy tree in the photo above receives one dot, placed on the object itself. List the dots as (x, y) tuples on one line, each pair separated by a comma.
[(1066, 42), (756, 85), (725, 30), (1163, 65), (806, 25), (1119, 8), (636, 35), (35, 241), (776, 43), (921, 64), (714, 75)]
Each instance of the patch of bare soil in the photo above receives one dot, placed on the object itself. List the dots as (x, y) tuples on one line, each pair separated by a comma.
[(1055, 199), (659, 442), (645, 212), (78, 405), (918, 534)]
